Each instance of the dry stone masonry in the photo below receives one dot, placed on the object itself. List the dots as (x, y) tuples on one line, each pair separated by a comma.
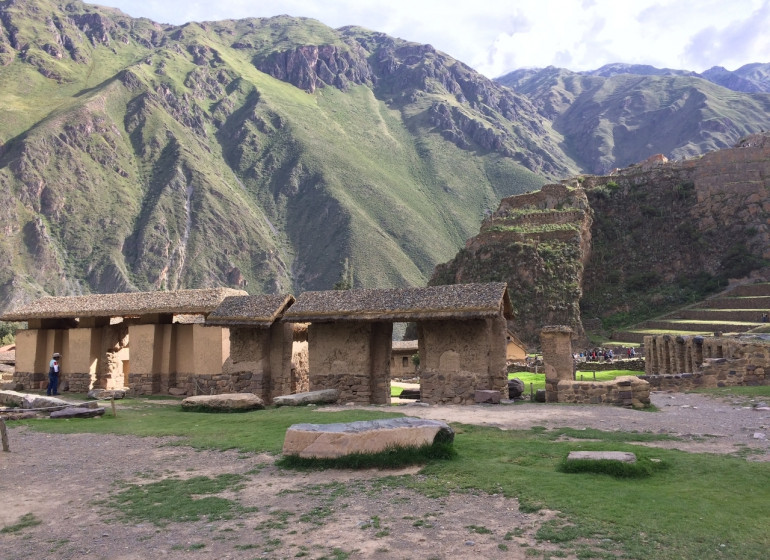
[(689, 362)]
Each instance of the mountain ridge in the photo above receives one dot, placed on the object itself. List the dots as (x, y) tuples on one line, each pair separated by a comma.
[(264, 154)]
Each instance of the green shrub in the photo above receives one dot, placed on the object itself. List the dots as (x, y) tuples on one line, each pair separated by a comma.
[(641, 468)]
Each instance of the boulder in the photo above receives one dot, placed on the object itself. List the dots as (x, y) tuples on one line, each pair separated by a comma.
[(326, 396), (177, 391), (515, 388), (227, 402), (329, 441), (77, 412), (102, 394)]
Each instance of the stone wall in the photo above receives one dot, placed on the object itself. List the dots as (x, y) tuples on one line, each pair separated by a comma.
[(352, 357), (689, 362), (459, 357), (627, 391)]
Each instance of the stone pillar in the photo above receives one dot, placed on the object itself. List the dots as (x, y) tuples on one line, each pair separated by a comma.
[(281, 340), (556, 342), (381, 346), (498, 342)]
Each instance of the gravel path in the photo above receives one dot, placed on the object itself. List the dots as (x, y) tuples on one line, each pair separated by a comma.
[(62, 480)]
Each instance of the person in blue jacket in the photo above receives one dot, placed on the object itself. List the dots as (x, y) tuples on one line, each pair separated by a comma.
[(54, 367)]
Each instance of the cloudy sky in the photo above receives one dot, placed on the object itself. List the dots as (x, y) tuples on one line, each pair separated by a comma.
[(496, 36)]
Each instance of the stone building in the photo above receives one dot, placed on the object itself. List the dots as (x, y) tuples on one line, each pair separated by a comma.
[(461, 332), (113, 340), (265, 356), (401, 363)]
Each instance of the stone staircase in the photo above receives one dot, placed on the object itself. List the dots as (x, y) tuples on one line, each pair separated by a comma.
[(737, 310)]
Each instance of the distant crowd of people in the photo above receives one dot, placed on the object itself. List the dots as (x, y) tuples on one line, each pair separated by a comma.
[(603, 355)]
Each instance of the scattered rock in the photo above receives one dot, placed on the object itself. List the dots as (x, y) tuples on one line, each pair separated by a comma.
[(329, 441), (227, 402), (326, 396)]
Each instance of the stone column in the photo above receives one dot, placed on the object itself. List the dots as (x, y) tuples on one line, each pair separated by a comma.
[(380, 347), (558, 363)]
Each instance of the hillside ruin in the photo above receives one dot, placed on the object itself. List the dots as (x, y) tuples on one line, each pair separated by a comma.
[(609, 250)]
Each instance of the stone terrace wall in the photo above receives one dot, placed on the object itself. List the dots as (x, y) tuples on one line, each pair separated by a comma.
[(627, 391)]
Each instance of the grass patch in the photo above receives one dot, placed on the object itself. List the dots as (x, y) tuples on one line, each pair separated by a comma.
[(255, 431), (641, 468), (393, 458), (173, 500), (25, 521), (537, 380)]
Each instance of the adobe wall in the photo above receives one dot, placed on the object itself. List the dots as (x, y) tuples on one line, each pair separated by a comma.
[(628, 391), (459, 357), (689, 362), (189, 358), (80, 355), (353, 358), (401, 364)]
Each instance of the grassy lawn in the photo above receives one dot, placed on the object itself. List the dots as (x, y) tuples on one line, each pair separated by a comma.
[(537, 380), (691, 506)]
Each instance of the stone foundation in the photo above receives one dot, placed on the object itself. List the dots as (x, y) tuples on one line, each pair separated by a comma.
[(449, 388), (352, 388), (627, 391)]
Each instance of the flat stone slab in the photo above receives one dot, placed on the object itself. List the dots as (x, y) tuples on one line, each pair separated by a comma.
[(622, 456), (326, 396), (39, 401), (101, 394), (77, 412), (329, 441), (11, 398), (225, 402)]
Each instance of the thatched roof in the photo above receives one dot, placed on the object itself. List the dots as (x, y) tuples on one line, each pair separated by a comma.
[(252, 311), (122, 304), (456, 301)]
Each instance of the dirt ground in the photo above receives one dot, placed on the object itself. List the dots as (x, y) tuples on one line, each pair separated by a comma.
[(63, 481)]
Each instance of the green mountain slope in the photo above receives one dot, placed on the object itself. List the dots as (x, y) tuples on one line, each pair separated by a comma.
[(619, 119), (145, 157)]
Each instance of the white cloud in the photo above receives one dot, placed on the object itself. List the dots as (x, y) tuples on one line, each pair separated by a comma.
[(497, 36)]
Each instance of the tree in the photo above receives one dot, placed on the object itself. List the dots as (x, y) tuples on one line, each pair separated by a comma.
[(346, 278)]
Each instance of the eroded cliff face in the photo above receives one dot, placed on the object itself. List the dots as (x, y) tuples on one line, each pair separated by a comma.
[(650, 237)]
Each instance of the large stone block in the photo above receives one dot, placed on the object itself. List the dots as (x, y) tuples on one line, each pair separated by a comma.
[(329, 441), (227, 402), (324, 396)]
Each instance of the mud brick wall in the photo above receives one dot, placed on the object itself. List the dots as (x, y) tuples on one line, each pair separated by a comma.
[(627, 391)]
